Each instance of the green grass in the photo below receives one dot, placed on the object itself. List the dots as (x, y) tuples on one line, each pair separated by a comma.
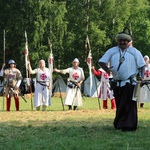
[(88, 128)]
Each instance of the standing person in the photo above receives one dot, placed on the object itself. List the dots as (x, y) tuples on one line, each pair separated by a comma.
[(125, 61), (76, 77), (12, 81), (145, 89), (105, 91), (42, 93)]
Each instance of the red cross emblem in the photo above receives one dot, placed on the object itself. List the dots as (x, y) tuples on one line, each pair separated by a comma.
[(147, 73), (106, 76), (11, 76), (43, 76), (88, 60), (50, 60), (75, 76)]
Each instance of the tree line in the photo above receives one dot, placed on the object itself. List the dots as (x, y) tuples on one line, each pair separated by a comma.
[(67, 23)]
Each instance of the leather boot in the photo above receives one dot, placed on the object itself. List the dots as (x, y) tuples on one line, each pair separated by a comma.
[(105, 104), (113, 104)]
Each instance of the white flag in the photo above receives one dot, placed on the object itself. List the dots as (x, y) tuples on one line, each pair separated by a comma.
[(50, 65), (89, 63), (26, 55), (26, 59)]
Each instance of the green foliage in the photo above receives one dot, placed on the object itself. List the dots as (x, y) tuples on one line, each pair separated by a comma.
[(67, 23)]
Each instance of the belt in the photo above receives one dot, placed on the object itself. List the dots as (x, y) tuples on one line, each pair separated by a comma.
[(43, 83)]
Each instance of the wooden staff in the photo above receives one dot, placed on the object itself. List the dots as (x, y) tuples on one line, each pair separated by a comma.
[(28, 75), (4, 63)]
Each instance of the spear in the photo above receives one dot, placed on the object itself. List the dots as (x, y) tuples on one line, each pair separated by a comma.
[(4, 47), (89, 62), (51, 64), (4, 63), (28, 76), (89, 58)]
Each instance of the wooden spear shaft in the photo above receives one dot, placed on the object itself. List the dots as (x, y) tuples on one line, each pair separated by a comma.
[(4, 63)]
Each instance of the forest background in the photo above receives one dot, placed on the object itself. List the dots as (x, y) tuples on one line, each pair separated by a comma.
[(67, 23)]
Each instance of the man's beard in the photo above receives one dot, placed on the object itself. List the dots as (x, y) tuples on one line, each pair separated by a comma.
[(123, 45)]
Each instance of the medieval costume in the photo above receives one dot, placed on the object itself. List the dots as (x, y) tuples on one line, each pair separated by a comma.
[(105, 91), (145, 89), (42, 93), (125, 62), (12, 81), (76, 77)]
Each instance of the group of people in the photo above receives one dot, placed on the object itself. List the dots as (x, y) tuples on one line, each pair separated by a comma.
[(121, 63), (12, 80), (42, 97)]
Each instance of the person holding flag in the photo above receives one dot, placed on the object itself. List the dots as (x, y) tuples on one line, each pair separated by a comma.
[(76, 77), (105, 91), (145, 89), (42, 94)]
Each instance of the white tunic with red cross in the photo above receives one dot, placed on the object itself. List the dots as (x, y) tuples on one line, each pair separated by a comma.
[(42, 94), (145, 90), (73, 95), (105, 91)]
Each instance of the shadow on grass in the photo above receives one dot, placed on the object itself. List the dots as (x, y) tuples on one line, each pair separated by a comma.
[(71, 135)]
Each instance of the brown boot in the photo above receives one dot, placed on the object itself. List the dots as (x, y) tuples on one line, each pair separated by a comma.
[(113, 104), (105, 104)]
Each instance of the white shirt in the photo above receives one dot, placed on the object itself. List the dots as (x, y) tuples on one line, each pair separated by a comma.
[(133, 60)]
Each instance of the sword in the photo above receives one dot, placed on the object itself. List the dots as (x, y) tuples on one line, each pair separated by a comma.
[(17, 94)]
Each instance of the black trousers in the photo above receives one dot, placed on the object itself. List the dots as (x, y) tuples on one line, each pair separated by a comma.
[(126, 109)]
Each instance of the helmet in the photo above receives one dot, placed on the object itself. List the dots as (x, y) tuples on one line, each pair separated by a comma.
[(11, 62)]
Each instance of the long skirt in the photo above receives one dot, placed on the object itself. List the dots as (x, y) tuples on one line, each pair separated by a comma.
[(41, 96), (145, 94), (126, 112), (73, 97)]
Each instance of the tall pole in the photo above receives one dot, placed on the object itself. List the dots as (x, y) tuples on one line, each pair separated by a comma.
[(4, 63), (4, 47), (28, 75), (88, 47)]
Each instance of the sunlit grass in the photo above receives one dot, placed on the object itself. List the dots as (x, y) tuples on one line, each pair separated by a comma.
[(88, 128)]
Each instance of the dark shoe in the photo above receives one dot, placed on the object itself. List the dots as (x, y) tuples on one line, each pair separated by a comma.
[(141, 105), (75, 107), (69, 107)]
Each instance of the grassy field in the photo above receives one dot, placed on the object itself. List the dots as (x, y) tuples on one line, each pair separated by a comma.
[(87, 128)]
